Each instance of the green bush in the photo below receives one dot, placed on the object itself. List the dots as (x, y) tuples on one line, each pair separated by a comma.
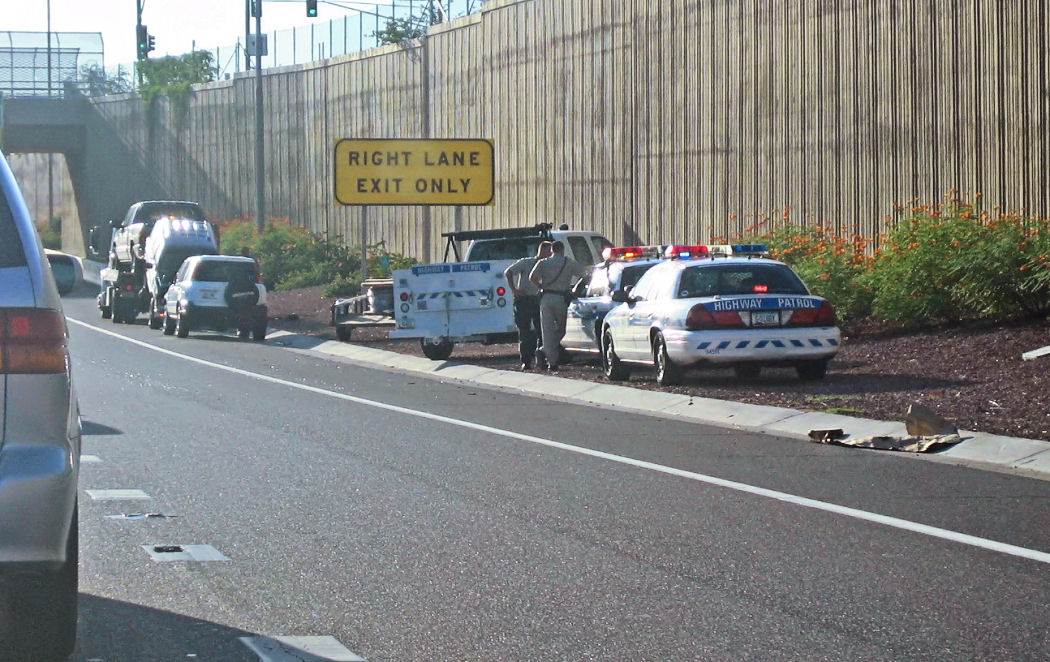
[(291, 257), (952, 263)]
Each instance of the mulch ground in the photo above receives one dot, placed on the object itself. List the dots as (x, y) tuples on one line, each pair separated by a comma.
[(971, 375)]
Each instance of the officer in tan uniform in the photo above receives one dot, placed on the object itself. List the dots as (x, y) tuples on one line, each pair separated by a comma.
[(555, 277), (526, 304)]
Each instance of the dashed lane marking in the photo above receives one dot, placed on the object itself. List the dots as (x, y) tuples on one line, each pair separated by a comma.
[(300, 649), (813, 504), (90, 459), (118, 495)]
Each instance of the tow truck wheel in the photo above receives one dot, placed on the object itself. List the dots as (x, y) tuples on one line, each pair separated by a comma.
[(668, 373), (106, 311), (436, 351), (611, 365), (343, 332), (155, 320)]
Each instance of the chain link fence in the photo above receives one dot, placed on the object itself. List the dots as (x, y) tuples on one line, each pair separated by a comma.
[(29, 68)]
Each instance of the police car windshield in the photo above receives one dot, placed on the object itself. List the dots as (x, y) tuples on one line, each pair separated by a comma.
[(631, 274), (504, 249), (742, 278)]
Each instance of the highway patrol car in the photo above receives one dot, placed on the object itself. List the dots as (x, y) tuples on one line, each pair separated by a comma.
[(719, 306), (621, 269)]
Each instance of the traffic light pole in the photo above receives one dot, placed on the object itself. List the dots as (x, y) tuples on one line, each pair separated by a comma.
[(259, 161)]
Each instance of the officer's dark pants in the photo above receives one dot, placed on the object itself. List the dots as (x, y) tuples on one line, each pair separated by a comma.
[(527, 319)]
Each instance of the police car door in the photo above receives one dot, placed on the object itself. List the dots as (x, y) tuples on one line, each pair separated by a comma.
[(639, 318)]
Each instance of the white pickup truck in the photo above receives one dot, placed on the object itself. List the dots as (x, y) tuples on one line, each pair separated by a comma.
[(468, 300)]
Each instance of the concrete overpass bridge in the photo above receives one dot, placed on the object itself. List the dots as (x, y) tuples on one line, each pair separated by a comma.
[(106, 176)]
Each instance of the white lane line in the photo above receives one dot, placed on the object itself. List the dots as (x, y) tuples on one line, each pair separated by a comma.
[(299, 649), (863, 515), (90, 459), (118, 495)]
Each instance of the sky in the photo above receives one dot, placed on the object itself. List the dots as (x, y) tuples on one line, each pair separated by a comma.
[(176, 24)]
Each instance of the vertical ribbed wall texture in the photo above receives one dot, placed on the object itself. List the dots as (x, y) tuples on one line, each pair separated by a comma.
[(665, 121)]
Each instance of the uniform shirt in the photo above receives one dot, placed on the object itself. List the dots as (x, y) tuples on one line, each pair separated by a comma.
[(518, 276), (546, 272)]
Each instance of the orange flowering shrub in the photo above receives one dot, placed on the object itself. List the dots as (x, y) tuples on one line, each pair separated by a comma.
[(832, 265)]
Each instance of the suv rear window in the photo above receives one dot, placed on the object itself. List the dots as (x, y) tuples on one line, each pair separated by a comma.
[(224, 272), (11, 252), (709, 281), (152, 212)]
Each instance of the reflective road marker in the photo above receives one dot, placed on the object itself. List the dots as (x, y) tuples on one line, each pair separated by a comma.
[(164, 553), (118, 495), (299, 649)]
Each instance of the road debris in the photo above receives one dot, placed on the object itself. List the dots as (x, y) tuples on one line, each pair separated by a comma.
[(927, 432)]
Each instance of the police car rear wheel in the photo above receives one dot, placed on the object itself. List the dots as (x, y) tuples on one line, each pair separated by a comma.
[(667, 372), (747, 371), (812, 370), (611, 365)]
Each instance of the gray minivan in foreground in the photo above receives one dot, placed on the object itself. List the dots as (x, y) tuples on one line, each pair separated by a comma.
[(39, 447)]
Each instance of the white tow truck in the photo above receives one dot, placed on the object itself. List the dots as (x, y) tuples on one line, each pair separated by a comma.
[(468, 300)]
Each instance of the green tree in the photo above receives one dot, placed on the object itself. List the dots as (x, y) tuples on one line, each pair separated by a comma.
[(96, 82), (400, 30), (175, 75)]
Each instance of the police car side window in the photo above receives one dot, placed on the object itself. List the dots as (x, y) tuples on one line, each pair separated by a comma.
[(599, 284)]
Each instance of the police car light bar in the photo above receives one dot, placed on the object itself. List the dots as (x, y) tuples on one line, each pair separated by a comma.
[(750, 249), (630, 252), (682, 252)]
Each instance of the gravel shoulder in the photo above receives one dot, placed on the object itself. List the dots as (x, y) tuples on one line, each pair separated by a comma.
[(971, 375)]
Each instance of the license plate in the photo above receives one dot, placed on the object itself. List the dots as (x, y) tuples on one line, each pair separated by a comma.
[(208, 294), (765, 318)]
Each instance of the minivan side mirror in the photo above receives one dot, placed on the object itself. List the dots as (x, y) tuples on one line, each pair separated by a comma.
[(622, 296)]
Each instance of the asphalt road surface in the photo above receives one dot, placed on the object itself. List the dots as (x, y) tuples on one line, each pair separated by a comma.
[(394, 517)]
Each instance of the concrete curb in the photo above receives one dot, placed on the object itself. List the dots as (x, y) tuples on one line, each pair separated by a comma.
[(979, 449)]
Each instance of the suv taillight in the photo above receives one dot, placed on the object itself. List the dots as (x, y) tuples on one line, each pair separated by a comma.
[(32, 341), (823, 316), (702, 318)]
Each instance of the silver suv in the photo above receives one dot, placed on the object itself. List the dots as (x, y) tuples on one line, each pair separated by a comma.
[(39, 447), (217, 292)]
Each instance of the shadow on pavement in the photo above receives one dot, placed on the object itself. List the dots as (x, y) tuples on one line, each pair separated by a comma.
[(115, 630)]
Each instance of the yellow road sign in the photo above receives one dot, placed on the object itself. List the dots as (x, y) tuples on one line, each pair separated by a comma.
[(414, 172)]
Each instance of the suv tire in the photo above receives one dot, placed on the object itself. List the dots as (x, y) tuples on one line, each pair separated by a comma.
[(182, 328)]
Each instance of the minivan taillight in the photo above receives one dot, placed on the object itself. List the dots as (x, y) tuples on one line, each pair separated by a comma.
[(32, 341)]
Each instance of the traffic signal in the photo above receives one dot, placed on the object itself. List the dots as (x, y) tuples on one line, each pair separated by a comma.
[(311, 8), (142, 41), (152, 43)]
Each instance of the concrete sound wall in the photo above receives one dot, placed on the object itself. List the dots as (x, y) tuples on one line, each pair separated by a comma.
[(652, 122)]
